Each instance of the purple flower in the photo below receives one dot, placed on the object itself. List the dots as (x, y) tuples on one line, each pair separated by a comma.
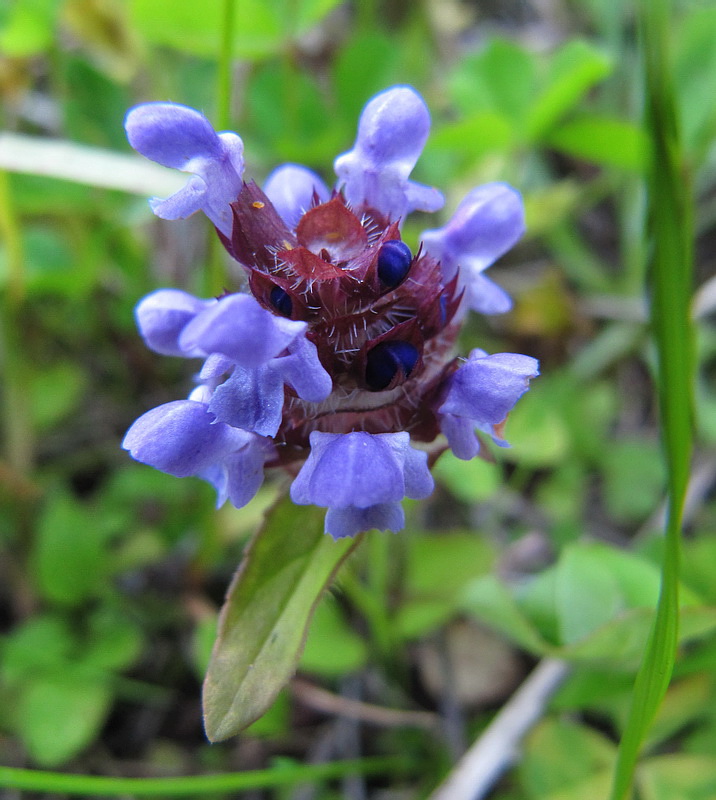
[(163, 315), (480, 395), (392, 132), (361, 478), (486, 224), (237, 327), (183, 439), (339, 356), (180, 137), (292, 190)]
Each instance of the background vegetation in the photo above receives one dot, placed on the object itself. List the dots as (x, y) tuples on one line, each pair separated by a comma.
[(111, 574)]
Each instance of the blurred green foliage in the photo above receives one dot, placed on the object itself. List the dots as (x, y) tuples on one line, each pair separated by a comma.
[(111, 574)]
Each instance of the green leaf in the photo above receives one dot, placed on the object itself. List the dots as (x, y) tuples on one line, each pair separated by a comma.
[(470, 481), (55, 391), (436, 571), (40, 646), (264, 621), (695, 74), (573, 71), (465, 142), (195, 27), (587, 594), (621, 641), (686, 702), (500, 78), (607, 141), (676, 776), (68, 557), (332, 648), (544, 768), (634, 478), (536, 429), (27, 28), (363, 66), (59, 716), (113, 641), (490, 601), (671, 226)]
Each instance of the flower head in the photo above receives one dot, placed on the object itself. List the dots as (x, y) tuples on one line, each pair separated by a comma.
[(340, 358)]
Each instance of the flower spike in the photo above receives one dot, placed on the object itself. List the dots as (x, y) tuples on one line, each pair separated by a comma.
[(338, 356)]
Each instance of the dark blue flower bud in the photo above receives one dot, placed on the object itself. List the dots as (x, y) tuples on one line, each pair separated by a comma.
[(394, 260), (281, 301), (384, 362)]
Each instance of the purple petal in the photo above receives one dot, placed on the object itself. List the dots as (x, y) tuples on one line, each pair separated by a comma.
[(343, 522), (290, 189), (392, 132), (485, 388), (215, 367), (182, 204), (239, 328), (245, 472), (303, 370), (180, 137), (181, 438), (419, 482), (252, 399), (171, 134), (485, 296), (486, 224), (162, 315), (460, 433), (350, 469), (483, 391), (217, 476), (239, 476)]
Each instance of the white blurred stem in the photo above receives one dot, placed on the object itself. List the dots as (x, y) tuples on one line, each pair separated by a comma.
[(93, 166), (497, 749)]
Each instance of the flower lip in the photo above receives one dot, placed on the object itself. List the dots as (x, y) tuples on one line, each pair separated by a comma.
[(238, 327), (180, 137)]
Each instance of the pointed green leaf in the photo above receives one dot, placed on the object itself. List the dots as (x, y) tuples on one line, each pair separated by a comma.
[(602, 140), (573, 71), (263, 624)]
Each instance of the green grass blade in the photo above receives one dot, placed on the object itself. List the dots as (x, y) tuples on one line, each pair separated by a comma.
[(197, 785), (671, 229)]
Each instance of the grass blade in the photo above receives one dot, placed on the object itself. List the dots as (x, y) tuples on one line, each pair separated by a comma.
[(671, 229)]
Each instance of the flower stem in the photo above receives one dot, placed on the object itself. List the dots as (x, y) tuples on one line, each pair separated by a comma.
[(216, 273), (223, 88)]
